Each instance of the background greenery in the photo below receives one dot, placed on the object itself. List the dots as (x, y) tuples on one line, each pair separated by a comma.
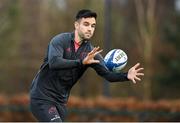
[(147, 30)]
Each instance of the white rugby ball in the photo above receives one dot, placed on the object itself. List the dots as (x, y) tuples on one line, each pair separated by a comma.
[(115, 60)]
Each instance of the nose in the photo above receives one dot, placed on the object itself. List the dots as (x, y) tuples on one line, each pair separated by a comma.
[(90, 28)]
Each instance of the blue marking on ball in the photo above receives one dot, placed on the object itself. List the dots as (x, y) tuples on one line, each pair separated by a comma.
[(111, 65)]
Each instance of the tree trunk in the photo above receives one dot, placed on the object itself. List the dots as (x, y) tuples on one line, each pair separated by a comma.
[(147, 30)]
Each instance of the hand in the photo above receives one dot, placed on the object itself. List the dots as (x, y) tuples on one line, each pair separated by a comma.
[(89, 59), (134, 72)]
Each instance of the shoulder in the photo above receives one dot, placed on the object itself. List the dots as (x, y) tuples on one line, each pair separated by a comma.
[(61, 38)]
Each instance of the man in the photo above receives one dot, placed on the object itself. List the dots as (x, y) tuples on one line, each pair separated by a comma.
[(68, 56)]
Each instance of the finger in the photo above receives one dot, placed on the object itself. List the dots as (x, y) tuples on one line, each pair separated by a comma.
[(95, 61), (137, 65), (90, 53), (94, 50), (140, 74), (97, 48), (139, 69), (134, 81), (98, 52), (137, 78)]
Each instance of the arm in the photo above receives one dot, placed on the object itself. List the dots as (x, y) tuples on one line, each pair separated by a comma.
[(96, 61), (55, 56), (101, 69)]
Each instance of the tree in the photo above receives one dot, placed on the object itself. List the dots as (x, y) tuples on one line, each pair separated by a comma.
[(9, 33), (147, 34)]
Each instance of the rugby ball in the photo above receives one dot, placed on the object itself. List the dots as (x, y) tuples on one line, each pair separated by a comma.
[(115, 60)]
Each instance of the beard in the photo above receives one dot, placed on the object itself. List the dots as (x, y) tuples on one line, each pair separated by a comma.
[(85, 36)]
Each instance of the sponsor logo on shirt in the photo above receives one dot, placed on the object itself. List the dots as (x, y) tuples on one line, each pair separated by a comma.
[(55, 117)]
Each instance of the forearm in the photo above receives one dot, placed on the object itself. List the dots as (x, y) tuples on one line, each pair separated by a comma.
[(108, 75), (60, 63), (115, 77)]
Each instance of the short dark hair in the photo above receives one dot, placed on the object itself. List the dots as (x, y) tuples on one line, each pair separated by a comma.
[(85, 13)]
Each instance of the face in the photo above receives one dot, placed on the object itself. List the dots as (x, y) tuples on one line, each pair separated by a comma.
[(85, 27)]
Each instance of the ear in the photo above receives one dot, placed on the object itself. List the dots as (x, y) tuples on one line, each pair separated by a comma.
[(76, 24)]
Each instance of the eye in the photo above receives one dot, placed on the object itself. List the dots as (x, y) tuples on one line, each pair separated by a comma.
[(93, 25), (86, 24)]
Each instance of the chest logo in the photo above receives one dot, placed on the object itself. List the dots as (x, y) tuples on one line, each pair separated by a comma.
[(68, 49)]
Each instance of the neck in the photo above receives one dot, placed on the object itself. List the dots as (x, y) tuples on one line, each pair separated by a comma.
[(77, 38)]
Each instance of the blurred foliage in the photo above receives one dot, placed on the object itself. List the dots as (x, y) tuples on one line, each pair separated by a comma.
[(27, 26), (9, 33), (15, 108), (168, 79)]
